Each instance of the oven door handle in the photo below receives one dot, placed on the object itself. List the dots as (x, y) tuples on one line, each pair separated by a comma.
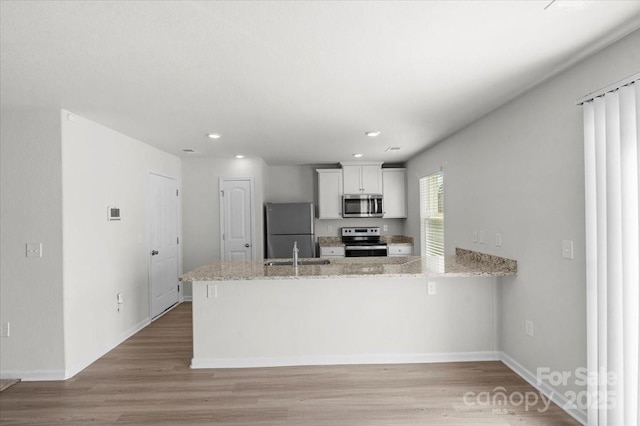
[(365, 248)]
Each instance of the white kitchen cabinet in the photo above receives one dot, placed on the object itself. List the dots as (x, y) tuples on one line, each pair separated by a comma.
[(399, 250), (362, 178), (337, 251), (394, 193), (329, 193)]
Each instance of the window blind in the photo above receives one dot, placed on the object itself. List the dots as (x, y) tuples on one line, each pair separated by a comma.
[(612, 200), (432, 220)]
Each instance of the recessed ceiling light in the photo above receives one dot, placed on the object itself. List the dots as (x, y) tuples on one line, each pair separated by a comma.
[(357, 155), (239, 156), (373, 134), (214, 135), (188, 150)]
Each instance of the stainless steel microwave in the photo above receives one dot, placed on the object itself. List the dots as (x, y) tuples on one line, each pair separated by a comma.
[(362, 205)]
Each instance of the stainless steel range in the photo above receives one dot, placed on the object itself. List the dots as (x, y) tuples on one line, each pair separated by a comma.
[(360, 242)]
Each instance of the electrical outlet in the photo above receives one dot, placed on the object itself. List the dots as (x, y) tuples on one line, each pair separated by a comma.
[(34, 249), (119, 300), (6, 329), (212, 291), (329, 228), (385, 228), (528, 328), (431, 288), (481, 237)]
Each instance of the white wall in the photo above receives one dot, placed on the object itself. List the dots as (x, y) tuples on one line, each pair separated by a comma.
[(201, 206), (519, 171), (31, 211), (100, 168)]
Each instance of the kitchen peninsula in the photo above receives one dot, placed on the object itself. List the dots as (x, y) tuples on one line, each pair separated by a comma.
[(351, 310)]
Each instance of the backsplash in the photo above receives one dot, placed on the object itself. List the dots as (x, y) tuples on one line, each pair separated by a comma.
[(331, 227)]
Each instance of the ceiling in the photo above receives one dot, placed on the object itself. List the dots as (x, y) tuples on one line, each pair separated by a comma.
[(292, 82)]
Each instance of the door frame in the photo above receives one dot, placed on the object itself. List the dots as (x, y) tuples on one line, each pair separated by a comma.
[(148, 242), (252, 211)]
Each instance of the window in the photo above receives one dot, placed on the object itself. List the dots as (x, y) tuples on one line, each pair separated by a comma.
[(432, 220)]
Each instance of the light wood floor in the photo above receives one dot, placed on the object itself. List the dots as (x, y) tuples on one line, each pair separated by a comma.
[(147, 380)]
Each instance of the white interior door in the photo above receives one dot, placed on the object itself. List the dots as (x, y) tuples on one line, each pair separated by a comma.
[(163, 244), (236, 215)]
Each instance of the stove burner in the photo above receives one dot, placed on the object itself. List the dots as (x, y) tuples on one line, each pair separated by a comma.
[(361, 242)]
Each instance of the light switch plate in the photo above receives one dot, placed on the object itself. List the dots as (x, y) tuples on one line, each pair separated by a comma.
[(431, 288), (567, 249), (528, 328), (498, 240)]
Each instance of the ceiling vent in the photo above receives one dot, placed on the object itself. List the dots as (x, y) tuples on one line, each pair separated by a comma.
[(392, 149), (188, 150)]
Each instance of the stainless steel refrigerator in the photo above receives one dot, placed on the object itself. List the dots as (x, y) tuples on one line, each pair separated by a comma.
[(286, 223)]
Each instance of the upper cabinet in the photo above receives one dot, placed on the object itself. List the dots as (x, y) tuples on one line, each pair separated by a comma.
[(362, 178), (394, 193), (329, 193)]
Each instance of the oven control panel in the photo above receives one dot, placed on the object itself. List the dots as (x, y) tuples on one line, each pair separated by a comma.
[(373, 231)]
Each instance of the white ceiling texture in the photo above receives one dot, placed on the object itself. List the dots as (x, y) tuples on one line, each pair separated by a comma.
[(293, 82)]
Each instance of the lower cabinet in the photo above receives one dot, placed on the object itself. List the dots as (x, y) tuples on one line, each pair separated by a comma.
[(400, 249), (332, 251)]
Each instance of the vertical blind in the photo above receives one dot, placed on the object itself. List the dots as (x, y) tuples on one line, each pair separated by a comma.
[(612, 194), (432, 219)]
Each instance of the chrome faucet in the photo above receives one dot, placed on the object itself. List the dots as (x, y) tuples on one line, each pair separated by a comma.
[(295, 254)]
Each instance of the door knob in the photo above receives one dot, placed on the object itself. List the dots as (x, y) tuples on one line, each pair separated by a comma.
[(154, 252), (247, 245)]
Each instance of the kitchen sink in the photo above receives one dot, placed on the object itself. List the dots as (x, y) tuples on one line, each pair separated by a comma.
[(300, 263)]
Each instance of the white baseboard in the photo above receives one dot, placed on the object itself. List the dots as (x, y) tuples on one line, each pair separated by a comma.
[(548, 391), (344, 360), (133, 330), (50, 375), (187, 299), (34, 376)]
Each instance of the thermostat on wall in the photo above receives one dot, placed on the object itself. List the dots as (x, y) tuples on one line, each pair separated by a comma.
[(114, 213)]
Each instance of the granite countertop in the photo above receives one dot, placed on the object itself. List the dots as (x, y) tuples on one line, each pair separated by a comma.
[(465, 263)]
